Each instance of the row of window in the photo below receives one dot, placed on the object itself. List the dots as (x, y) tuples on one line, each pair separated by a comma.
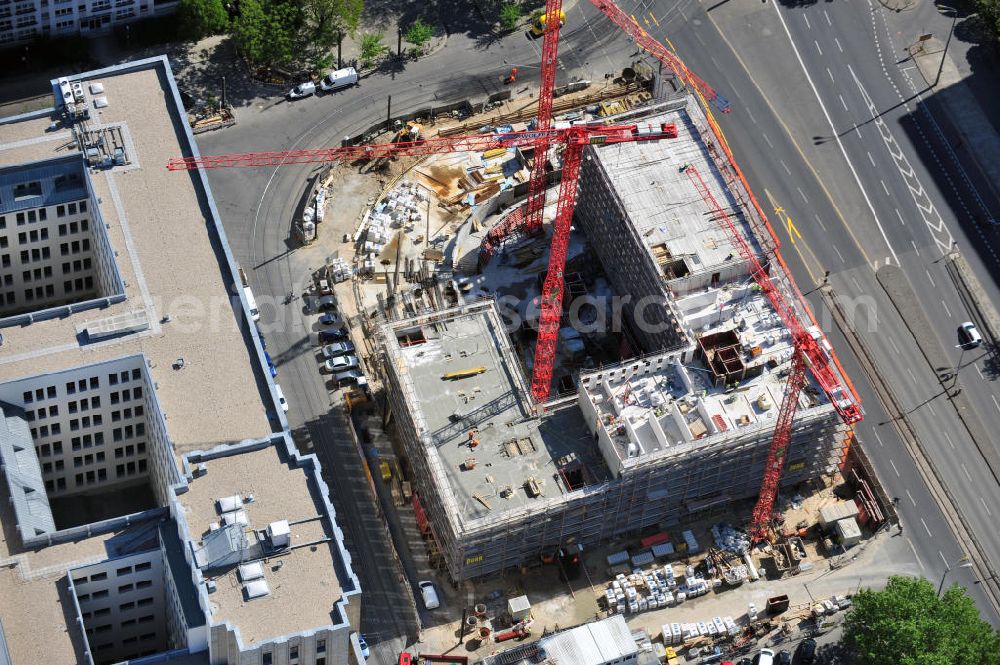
[(42, 214), (106, 627), (120, 572), (36, 274), (81, 385)]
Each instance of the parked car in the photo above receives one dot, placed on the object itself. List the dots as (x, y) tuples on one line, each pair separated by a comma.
[(784, 658), (364, 646), (302, 90), (765, 657), (340, 78), (281, 398), (807, 651), (327, 304), (328, 319), (429, 595), (338, 349), (350, 376), (969, 336), (333, 335), (270, 365), (340, 363)]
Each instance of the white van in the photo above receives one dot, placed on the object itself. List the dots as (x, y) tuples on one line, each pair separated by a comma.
[(281, 397), (254, 312), (339, 78), (765, 657), (302, 90)]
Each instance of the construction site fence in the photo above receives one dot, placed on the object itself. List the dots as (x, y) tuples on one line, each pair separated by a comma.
[(464, 107)]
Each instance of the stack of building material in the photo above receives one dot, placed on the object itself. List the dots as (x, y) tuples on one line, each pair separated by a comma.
[(691, 541), (730, 539)]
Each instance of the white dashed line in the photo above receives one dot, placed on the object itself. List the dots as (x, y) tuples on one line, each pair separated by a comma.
[(838, 44), (900, 215), (878, 438), (785, 166), (942, 556), (845, 104), (839, 254), (912, 242), (802, 194), (828, 21), (820, 221), (857, 284), (967, 474), (884, 188), (767, 140), (806, 19), (750, 115), (948, 438), (831, 75), (983, 501), (997, 404), (979, 372), (817, 47), (871, 159), (913, 377), (925, 527), (892, 343), (931, 407), (928, 273), (912, 500), (894, 467), (698, 37), (947, 311)]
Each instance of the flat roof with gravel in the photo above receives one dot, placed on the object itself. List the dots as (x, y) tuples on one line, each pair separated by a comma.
[(160, 226)]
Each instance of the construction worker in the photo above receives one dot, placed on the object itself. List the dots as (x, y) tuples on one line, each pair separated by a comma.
[(512, 77)]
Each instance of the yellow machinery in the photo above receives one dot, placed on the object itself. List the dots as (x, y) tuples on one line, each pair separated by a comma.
[(538, 25), (463, 374), (385, 470)]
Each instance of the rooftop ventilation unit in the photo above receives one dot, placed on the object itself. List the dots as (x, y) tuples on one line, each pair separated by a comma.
[(256, 589), (251, 571)]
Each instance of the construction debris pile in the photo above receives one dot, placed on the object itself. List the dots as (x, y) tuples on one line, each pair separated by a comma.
[(400, 209), (680, 633), (730, 539)]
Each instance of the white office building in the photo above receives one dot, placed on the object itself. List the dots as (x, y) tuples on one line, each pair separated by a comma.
[(26, 20)]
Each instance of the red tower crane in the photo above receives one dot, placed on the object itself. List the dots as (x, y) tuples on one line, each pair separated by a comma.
[(807, 352)]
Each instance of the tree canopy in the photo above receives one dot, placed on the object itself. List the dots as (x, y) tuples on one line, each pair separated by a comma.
[(907, 624), (989, 11), (200, 18), (293, 32)]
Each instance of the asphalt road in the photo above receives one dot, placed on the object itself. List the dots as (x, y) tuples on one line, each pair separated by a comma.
[(844, 220)]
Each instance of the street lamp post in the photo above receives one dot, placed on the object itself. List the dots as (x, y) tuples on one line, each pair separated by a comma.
[(947, 570)]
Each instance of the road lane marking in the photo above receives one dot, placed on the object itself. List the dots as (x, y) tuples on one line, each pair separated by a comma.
[(931, 407), (838, 44), (928, 273), (653, 16), (912, 500), (828, 21), (698, 37), (871, 159), (900, 215), (950, 442), (839, 254), (884, 188), (892, 343), (947, 311), (785, 166), (913, 377), (979, 372), (802, 194), (894, 467), (925, 527), (983, 501), (831, 75), (806, 19), (845, 105), (914, 243), (767, 140), (878, 438), (997, 404), (857, 284), (817, 47), (942, 556), (750, 115), (967, 474), (821, 224)]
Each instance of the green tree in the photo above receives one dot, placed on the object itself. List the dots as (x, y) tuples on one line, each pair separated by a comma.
[(419, 33), (268, 34), (510, 15), (989, 11), (371, 48), (200, 18), (907, 624)]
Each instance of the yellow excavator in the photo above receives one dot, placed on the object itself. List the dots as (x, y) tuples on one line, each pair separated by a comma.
[(538, 25)]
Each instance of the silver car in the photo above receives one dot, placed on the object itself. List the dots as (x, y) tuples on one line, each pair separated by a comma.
[(340, 363), (338, 349)]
